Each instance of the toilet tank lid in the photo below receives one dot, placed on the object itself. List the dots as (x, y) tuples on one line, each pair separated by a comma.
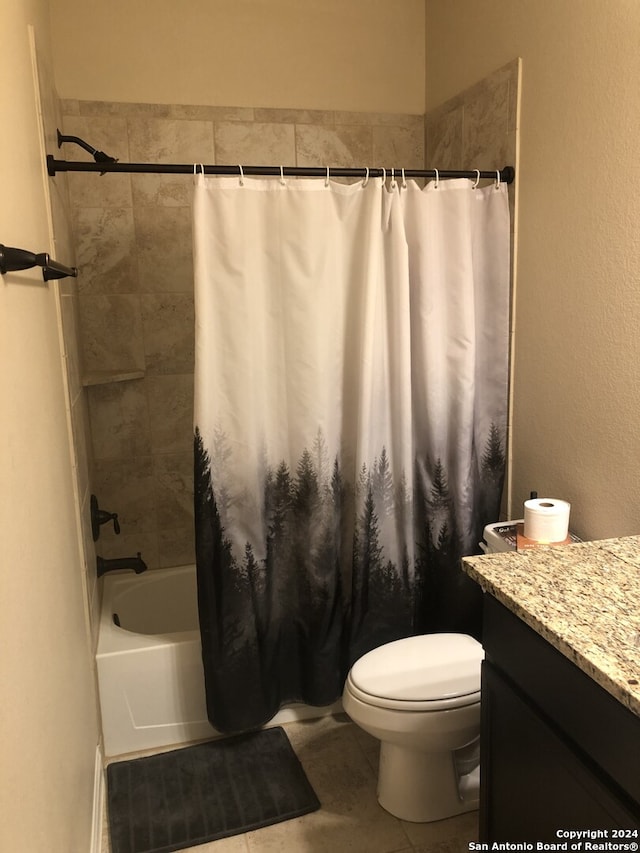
[(423, 668)]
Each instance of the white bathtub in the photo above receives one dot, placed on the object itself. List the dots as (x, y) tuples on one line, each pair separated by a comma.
[(150, 665)]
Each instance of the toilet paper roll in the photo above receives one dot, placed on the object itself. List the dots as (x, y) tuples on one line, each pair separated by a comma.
[(546, 519)]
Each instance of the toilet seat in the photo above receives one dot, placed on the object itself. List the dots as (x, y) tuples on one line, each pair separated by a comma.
[(430, 672)]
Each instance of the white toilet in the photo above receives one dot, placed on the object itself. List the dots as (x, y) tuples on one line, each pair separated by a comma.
[(421, 698)]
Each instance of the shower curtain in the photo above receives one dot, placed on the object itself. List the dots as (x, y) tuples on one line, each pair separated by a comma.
[(350, 421)]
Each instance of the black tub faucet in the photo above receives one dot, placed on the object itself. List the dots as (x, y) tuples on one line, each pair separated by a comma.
[(136, 564)]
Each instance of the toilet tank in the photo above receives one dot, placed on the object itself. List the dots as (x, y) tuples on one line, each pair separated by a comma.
[(502, 536)]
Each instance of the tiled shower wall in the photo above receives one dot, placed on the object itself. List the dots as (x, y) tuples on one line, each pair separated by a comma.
[(479, 128), (133, 247)]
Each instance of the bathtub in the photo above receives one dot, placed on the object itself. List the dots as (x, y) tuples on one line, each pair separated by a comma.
[(150, 666)]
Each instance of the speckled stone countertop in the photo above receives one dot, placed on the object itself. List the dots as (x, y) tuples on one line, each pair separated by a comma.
[(583, 598)]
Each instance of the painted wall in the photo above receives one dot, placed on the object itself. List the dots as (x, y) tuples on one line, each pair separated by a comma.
[(48, 716), (577, 352), (362, 55)]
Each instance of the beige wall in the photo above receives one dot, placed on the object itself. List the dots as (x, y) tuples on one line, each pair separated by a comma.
[(577, 385), (48, 716), (328, 54)]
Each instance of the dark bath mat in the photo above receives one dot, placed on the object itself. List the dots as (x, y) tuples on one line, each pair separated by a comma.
[(200, 793)]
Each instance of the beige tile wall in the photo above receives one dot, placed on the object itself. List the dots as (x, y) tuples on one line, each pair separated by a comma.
[(133, 246), (478, 129)]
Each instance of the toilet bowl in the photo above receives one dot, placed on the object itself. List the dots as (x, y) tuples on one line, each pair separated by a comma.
[(420, 697)]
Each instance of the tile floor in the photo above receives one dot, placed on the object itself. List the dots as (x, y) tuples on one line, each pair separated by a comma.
[(341, 763)]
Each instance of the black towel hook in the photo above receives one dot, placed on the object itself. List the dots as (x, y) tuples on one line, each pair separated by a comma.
[(13, 260)]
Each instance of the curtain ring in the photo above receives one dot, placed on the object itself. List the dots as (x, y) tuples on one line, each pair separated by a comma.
[(384, 176), (366, 180), (326, 180), (497, 180), (282, 180), (477, 180), (437, 179), (404, 181), (393, 184), (241, 177)]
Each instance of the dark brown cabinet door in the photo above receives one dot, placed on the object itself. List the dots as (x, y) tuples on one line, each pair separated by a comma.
[(534, 782)]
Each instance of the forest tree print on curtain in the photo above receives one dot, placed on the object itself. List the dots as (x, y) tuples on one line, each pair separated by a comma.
[(349, 426)]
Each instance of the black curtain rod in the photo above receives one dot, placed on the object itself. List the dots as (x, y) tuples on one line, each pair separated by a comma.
[(507, 173), (104, 163)]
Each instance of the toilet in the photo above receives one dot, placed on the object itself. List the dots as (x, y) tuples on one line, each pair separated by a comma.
[(420, 697)]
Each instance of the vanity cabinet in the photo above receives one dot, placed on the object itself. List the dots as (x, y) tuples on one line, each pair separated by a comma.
[(558, 752)]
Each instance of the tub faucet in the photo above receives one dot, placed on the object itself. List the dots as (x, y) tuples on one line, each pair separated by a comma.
[(136, 564)]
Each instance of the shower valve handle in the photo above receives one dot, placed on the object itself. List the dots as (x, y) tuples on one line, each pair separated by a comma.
[(101, 516), (110, 516)]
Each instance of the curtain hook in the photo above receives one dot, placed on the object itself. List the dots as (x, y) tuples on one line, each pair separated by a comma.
[(384, 176), (326, 180), (282, 180), (366, 180), (477, 180), (437, 179), (404, 181), (393, 184), (498, 180), (241, 177)]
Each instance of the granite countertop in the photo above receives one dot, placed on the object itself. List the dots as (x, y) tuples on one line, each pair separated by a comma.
[(583, 598)]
